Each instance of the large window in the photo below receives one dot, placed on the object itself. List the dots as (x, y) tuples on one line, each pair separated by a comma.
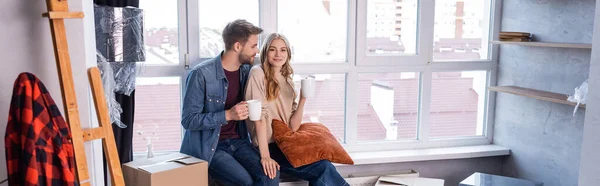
[(317, 29), (214, 15), (390, 74), (392, 27), (461, 30), (388, 105), (157, 113), (457, 103), (161, 33), (327, 106), (158, 85)]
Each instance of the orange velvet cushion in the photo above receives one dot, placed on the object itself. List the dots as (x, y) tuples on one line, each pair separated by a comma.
[(311, 143)]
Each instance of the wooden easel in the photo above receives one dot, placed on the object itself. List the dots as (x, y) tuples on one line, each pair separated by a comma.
[(58, 11)]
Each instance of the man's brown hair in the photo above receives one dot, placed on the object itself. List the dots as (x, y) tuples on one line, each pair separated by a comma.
[(239, 31)]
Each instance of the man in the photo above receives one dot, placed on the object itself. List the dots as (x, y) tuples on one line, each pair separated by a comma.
[(214, 111)]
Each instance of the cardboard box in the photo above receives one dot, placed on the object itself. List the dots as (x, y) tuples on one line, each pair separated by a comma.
[(167, 170)]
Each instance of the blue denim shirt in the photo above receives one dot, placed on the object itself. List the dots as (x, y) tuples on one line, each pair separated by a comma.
[(203, 111)]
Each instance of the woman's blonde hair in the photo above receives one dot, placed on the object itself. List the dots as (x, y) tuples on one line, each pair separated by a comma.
[(286, 70)]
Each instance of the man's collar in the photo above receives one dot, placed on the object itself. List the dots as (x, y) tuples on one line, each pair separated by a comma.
[(219, 66)]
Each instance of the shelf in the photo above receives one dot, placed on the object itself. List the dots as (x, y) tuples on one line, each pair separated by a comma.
[(545, 44), (537, 94)]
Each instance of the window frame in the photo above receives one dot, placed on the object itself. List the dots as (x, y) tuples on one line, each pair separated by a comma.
[(173, 70), (357, 61), (424, 40)]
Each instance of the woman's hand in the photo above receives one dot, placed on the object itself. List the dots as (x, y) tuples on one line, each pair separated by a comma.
[(270, 167), (302, 94)]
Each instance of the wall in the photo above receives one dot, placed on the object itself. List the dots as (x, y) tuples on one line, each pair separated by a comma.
[(26, 46), (544, 138), (590, 153)]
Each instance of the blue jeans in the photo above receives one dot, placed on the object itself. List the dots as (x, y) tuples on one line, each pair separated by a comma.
[(237, 162), (321, 173)]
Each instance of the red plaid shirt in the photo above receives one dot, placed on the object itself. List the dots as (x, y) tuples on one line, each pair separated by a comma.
[(38, 143)]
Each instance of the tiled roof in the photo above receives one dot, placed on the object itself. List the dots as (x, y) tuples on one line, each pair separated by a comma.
[(158, 105)]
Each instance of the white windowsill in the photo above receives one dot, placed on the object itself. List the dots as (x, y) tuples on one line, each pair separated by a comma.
[(398, 156), (413, 155)]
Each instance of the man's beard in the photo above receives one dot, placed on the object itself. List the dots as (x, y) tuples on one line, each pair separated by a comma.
[(245, 59)]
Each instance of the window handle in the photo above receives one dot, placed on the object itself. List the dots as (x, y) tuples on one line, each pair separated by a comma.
[(186, 61)]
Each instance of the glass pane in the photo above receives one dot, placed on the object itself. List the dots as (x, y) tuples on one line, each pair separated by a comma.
[(214, 15), (157, 113), (457, 103), (392, 26), (160, 32), (388, 105), (327, 105), (460, 29), (325, 21)]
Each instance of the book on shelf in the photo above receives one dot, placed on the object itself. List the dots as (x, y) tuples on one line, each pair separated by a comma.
[(516, 39), (511, 37), (514, 36)]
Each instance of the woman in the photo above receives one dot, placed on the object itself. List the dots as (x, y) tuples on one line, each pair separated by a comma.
[(271, 83)]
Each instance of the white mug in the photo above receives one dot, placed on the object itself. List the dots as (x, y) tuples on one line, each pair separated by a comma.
[(308, 87), (254, 109)]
